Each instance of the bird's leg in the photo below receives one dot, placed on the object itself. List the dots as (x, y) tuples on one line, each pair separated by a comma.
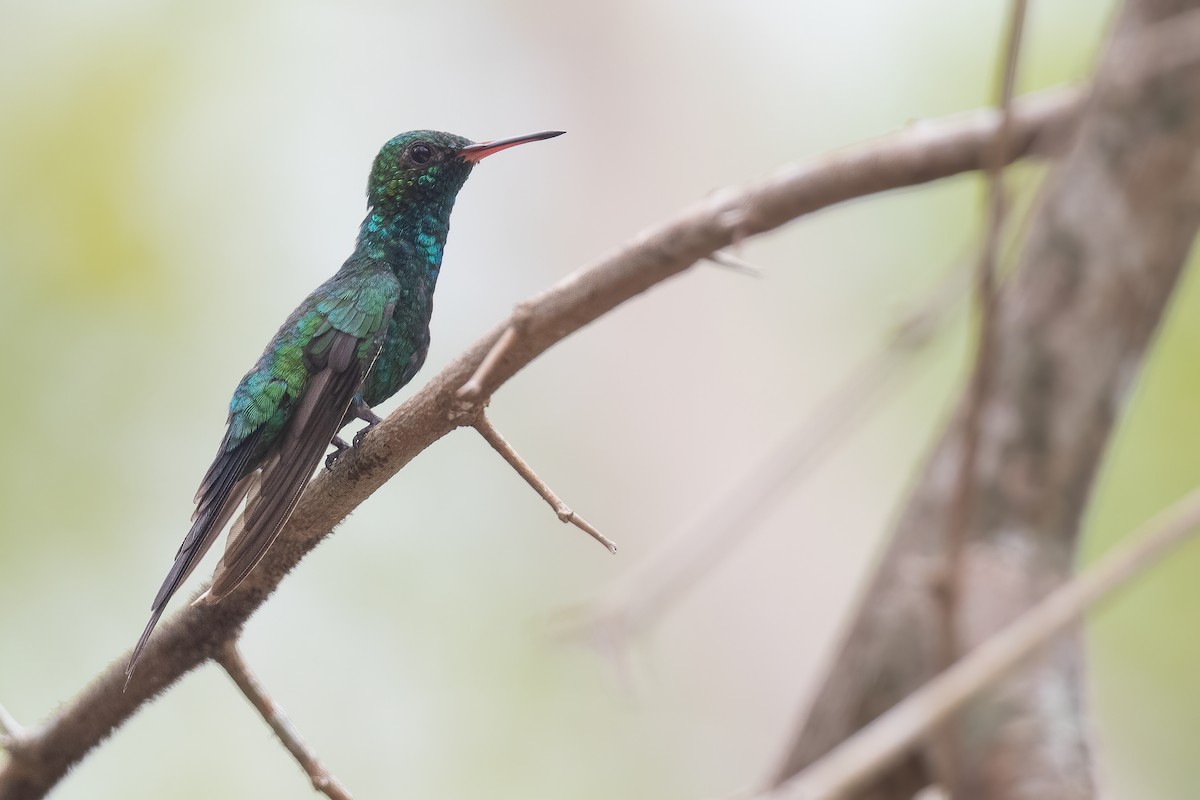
[(362, 411), (340, 444)]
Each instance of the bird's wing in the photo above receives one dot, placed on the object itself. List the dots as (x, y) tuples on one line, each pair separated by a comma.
[(285, 473), (280, 424), (340, 357)]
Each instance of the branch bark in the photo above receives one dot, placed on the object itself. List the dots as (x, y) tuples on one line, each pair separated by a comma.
[(857, 760), (1115, 223), (920, 153)]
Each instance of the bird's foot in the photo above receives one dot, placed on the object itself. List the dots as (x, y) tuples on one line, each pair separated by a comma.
[(358, 437), (341, 446), (363, 411), (360, 409)]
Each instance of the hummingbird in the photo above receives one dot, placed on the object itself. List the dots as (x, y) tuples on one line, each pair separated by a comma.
[(352, 343)]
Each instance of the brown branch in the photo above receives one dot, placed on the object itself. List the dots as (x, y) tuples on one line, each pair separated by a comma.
[(232, 662), (656, 583), (1103, 254), (958, 527), (565, 514), (879, 745), (918, 154)]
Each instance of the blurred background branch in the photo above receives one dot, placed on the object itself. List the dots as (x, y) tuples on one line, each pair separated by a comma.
[(1101, 260), (192, 636), (860, 758)]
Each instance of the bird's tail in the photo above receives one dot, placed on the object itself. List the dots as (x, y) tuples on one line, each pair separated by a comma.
[(207, 526)]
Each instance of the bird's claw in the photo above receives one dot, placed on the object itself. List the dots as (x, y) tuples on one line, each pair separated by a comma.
[(358, 437), (341, 446)]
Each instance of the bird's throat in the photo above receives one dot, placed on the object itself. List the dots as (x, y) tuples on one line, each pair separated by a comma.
[(411, 246)]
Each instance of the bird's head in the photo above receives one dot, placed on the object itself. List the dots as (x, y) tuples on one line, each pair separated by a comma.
[(429, 167)]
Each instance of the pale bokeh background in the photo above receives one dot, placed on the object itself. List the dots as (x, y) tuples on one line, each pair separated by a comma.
[(174, 177)]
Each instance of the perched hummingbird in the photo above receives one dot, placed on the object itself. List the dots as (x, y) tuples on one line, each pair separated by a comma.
[(350, 345)]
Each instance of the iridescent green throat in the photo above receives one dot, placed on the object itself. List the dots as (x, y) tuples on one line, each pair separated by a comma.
[(406, 245)]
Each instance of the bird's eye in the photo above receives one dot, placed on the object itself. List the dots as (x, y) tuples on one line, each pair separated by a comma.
[(420, 153)]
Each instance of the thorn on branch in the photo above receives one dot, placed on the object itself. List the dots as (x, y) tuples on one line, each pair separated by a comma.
[(232, 662), (735, 263), (565, 514)]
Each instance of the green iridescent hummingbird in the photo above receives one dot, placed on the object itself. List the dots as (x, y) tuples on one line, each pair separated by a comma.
[(351, 344)]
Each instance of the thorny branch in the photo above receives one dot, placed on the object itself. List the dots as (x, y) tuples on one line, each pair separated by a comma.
[(860, 758), (565, 514), (232, 662), (193, 635)]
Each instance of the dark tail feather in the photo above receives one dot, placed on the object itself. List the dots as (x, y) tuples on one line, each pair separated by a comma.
[(137, 650), (204, 531), (285, 476)]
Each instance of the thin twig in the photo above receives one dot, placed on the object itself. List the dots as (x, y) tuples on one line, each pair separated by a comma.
[(962, 507), (985, 299), (232, 662), (723, 258), (881, 743), (654, 585), (565, 514)]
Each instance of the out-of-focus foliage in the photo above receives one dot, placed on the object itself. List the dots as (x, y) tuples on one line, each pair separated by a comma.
[(174, 177)]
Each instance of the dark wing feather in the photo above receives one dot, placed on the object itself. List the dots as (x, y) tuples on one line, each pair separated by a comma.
[(274, 484), (317, 419), (222, 489)]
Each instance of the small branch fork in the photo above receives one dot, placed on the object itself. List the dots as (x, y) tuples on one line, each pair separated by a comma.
[(232, 662), (873, 749), (565, 514)]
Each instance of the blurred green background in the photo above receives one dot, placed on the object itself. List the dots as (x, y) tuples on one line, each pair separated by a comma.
[(175, 177)]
